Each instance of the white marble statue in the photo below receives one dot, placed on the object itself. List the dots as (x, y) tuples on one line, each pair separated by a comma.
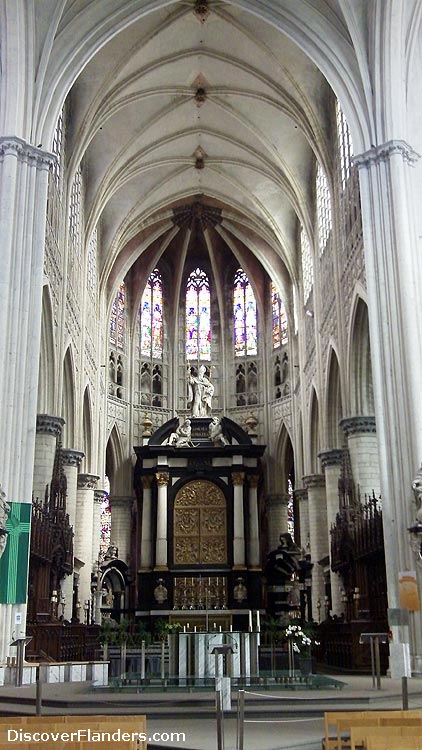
[(4, 515), (182, 436), (200, 393), (216, 432), (417, 491)]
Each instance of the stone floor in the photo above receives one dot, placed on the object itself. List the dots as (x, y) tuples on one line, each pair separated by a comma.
[(274, 720)]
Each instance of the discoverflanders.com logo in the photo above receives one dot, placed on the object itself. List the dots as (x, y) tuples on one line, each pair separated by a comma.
[(73, 732)]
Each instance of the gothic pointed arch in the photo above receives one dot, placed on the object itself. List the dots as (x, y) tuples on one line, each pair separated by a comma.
[(87, 431), (68, 400), (47, 366), (285, 459), (314, 433), (360, 370), (333, 403), (114, 462)]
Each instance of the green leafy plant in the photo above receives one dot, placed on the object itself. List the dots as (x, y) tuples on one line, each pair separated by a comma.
[(164, 628)]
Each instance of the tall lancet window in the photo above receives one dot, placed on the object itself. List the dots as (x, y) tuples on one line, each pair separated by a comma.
[(152, 317), (244, 312), (118, 319), (198, 316), (280, 336)]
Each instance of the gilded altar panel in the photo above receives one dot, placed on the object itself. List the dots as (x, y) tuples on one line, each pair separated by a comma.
[(200, 524)]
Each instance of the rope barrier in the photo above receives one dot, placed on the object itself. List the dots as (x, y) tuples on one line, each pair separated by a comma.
[(279, 721), (275, 697)]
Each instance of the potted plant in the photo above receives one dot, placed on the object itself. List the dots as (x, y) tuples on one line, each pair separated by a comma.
[(300, 641)]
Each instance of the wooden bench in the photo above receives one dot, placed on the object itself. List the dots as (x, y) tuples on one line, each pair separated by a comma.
[(343, 721), (361, 736)]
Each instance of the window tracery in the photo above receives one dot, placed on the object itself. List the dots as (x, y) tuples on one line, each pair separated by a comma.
[(75, 212), (198, 316), (323, 203), (92, 262), (118, 318), (345, 145), (279, 318), (151, 314), (245, 316), (307, 265)]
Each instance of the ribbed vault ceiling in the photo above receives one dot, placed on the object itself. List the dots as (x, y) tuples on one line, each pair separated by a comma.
[(225, 111)]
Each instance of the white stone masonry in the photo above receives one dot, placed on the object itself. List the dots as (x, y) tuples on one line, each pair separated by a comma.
[(318, 534), (121, 513), (49, 428)]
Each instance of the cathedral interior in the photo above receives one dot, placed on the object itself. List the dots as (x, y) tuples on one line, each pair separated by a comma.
[(209, 215)]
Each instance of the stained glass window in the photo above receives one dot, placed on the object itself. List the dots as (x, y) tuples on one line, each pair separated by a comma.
[(105, 520), (290, 510), (244, 312), (279, 318), (118, 319), (151, 313), (345, 145), (198, 316), (323, 201), (307, 265)]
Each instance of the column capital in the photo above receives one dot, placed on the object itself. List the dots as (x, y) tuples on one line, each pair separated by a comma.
[(122, 500), (25, 152), (99, 496), (162, 478), (47, 424), (253, 480), (358, 425), (301, 494), (71, 457), (331, 458), (87, 481), (238, 478), (314, 480), (146, 481), (383, 152)]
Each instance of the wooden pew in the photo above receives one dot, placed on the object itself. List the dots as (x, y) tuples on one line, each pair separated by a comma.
[(360, 736), (343, 721), (71, 724)]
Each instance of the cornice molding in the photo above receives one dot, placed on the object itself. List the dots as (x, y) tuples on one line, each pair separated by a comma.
[(376, 154), (47, 424), (71, 457), (358, 425), (25, 152), (333, 457)]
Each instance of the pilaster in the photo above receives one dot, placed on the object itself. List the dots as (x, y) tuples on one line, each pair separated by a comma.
[(83, 531), (393, 272), (48, 429), (23, 207), (121, 513), (238, 478), (318, 533), (362, 443), (331, 462), (161, 551)]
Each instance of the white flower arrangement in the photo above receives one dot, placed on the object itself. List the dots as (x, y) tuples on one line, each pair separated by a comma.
[(301, 642)]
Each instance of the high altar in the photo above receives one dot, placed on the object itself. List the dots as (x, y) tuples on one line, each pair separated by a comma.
[(197, 485)]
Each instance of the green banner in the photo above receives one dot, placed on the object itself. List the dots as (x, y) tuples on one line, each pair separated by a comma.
[(14, 560)]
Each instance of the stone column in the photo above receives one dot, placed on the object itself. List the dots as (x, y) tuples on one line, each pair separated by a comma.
[(301, 496), (331, 462), (276, 506), (49, 428), (363, 449), (318, 534), (71, 461), (238, 520), (393, 273), (254, 558), (23, 204), (162, 478), (83, 532), (146, 531), (121, 516)]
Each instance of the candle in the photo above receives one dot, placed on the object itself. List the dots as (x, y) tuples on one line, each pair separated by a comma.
[(187, 625), (214, 625), (220, 629), (258, 621), (184, 628), (231, 628), (194, 628), (250, 621)]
